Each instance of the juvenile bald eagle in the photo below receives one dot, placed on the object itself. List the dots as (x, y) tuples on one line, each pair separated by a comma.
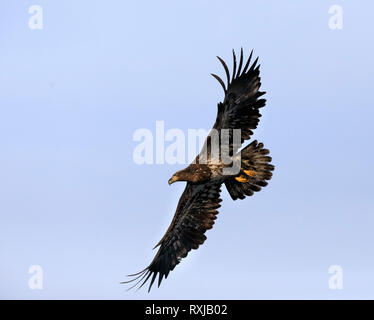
[(197, 207)]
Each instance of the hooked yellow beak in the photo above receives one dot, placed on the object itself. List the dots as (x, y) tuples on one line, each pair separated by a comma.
[(172, 179)]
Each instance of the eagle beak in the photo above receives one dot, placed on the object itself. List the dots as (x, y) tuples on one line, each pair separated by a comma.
[(172, 179)]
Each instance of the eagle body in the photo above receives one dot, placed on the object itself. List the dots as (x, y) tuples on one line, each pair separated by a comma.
[(198, 206)]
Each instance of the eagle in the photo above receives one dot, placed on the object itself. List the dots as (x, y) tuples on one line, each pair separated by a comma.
[(237, 116)]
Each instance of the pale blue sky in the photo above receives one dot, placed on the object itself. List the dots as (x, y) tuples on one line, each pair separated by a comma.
[(74, 202)]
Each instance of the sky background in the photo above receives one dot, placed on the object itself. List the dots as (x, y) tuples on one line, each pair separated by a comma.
[(73, 201)]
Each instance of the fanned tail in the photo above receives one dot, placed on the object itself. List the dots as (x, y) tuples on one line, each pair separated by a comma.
[(255, 171)]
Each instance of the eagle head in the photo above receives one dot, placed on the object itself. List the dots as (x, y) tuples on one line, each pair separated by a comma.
[(193, 173), (182, 175)]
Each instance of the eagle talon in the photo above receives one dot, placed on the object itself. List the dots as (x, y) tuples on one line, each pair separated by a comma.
[(242, 179), (250, 173)]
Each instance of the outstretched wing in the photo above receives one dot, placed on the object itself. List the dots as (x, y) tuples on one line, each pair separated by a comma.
[(196, 212), (240, 107)]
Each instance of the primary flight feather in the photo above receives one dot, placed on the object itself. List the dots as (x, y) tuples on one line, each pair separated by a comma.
[(198, 206)]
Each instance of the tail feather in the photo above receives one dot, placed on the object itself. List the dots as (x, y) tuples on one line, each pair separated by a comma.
[(255, 171)]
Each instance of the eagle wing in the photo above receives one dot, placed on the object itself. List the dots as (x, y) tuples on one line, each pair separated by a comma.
[(196, 212), (240, 108)]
